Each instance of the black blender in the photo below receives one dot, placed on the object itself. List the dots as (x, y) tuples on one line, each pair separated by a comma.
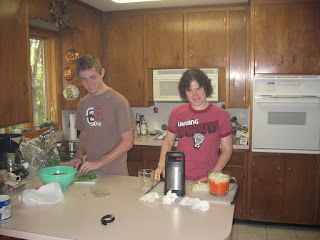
[(10, 155)]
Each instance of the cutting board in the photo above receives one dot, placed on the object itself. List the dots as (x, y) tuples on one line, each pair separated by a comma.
[(229, 198)]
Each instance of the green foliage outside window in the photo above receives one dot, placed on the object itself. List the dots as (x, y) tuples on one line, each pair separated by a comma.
[(37, 61)]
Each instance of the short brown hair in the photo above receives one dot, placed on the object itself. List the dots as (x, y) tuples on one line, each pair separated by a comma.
[(194, 74), (88, 62)]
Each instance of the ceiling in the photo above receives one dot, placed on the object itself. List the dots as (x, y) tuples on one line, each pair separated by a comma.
[(108, 5)]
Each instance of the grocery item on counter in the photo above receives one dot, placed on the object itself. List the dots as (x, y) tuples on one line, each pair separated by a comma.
[(143, 129)]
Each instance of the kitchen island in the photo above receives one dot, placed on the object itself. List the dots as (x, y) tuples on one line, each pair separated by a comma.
[(78, 216)]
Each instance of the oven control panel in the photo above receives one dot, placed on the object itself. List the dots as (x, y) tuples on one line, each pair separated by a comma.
[(287, 85)]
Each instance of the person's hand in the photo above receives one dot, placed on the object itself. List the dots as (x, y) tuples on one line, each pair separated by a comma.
[(88, 166), (158, 172), (76, 163)]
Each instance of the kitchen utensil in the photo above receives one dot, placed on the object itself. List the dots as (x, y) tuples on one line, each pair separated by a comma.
[(152, 188), (175, 173), (72, 56), (64, 175), (68, 73), (10, 155)]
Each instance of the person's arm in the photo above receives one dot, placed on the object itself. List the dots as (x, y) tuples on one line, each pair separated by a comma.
[(78, 160), (225, 155), (167, 145), (225, 152), (124, 146)]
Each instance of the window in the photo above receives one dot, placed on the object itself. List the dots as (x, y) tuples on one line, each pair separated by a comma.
[(44, 65), (38, 78)]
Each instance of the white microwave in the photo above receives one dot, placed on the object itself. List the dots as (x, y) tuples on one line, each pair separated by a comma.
[(166, 81)]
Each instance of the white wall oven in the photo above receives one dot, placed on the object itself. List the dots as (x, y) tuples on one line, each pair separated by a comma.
[(286, 114)]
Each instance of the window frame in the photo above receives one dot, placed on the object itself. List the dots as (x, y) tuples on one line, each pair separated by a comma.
[(53, 71)]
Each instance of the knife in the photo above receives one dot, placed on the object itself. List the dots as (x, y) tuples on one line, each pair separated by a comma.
[(162, 179)]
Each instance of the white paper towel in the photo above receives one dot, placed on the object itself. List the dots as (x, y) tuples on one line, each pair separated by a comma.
[(73, 130)]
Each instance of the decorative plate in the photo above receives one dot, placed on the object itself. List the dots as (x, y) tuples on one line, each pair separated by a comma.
[(72, 56), (71, 92), (68, 73)]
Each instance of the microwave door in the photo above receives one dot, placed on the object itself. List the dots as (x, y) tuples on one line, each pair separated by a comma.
[(286, 123)]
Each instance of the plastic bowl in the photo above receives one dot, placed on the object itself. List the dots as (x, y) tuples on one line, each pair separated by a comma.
[(64, 175)]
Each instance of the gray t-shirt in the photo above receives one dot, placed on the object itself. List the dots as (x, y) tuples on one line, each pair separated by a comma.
[(104, 118)]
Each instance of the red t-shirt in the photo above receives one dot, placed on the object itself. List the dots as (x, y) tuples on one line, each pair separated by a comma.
[(199, 134)]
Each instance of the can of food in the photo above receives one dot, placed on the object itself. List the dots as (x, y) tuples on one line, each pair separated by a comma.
[(5, 207)]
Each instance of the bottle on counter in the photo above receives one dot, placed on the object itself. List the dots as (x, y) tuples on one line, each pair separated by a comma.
[(143, 127), (137, 132)]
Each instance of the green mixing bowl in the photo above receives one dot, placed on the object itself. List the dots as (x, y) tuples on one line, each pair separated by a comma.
[(64, 175)]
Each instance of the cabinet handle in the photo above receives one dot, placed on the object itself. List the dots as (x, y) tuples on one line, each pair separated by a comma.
[(294, 59), (178, 56), (289, 171), (281, 58), (278, 170), (191, 55), (139, 83), (234, 82)]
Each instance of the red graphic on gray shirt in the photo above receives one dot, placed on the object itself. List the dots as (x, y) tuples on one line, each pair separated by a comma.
[(94, 116)]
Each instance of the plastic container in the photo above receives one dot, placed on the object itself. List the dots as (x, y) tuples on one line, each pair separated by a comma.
[(45, 195), (64, 175), (219, 182)]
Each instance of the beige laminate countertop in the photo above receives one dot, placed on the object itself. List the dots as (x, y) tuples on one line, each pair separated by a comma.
[(78, 215), (147, 141)]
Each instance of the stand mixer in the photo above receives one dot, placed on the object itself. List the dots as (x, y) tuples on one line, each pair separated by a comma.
[(10, 155)]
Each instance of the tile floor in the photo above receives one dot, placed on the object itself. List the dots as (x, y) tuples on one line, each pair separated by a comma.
[(269, 231)]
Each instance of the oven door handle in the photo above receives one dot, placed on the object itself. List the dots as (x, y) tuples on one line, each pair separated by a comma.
[(287, 100)]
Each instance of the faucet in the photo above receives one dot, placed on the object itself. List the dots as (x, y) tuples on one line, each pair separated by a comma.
[(42, 137)]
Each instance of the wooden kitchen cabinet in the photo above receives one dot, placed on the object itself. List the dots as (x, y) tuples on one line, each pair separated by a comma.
[(164, 40), (283, 188), (124, 58), (236, 167), (286, 38), (16, 91), (238, 85), (151, 157), (93, 31), (140, 157), (206, 39), (135, 160)]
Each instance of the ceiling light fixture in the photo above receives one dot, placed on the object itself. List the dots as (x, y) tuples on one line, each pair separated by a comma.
[(133, 1)]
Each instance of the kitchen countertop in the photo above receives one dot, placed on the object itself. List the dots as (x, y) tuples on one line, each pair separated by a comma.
[(78, 216), (147, 141)]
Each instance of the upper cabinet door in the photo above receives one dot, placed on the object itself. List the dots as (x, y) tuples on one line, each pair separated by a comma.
[(304, 38), (271, 38), (238, 76), (124, 59), (206, 39), (164, 34), (15, 92)]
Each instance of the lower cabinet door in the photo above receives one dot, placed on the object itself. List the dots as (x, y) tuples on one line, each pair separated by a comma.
[(266, 188), (299, 191)]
